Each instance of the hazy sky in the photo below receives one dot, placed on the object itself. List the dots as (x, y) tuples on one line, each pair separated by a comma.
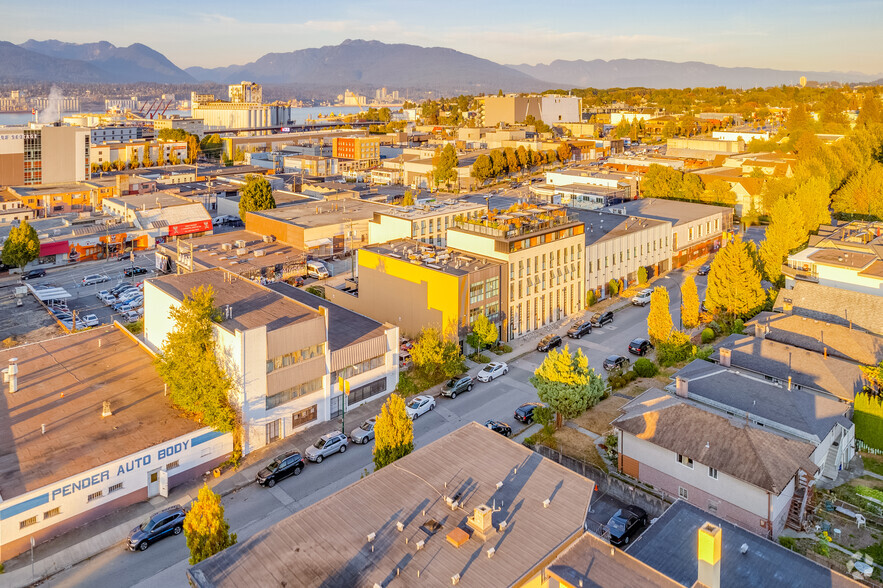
[(807, 34)]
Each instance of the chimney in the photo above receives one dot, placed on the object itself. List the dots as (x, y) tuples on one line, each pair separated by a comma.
[(726, 355), (681, 387), (481, 522), (105, 409), (789, 383), (759, 330), (709, 556), (787, 306), (10, 375)]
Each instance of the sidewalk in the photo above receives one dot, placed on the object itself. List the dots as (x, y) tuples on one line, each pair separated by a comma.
[(110, 532)]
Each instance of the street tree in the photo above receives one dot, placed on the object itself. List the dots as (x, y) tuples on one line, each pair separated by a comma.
[(564, 151), (659, 323), (566, 383), (393, 432), (21, 247), (786, 232), (511, 160), (813, 199), (499, 163), (408, 198), (484, 333), (257, 194), (435, 356), (482, 169), (734, 289), (444, 166), (689, 303), (661, 181), (188, 363), (205, 528), (642, 275)]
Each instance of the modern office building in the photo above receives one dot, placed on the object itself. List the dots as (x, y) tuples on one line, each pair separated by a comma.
[(512, 110), (363, 151), (43, 154), (425, 223)]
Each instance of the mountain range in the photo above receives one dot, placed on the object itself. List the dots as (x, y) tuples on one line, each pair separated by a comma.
[(359, 64)]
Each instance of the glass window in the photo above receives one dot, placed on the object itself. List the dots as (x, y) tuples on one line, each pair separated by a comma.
[(492, 288), (528, 266), (684, 460), (476, 292), (712, 473)]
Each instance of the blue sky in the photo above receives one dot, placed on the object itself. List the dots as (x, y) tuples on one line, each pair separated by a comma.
[(809, 34)]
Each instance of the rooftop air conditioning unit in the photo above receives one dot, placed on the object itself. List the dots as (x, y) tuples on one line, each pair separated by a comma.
[(241, 251), (269, 238), (259, 253), (240, 243), (226, 246)]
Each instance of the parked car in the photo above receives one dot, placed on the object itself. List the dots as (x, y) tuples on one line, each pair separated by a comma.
[(128, 290), (94, 279), (524, 413), (499, 427), (129, 295), (328, 444), (134, 271), (282, 466), (702, 307), (703, 270), (297, 281), (108, 300), (34, 273), (626, 523), (90, 320), (120, 287), (457, 385), (642, 298), (131, 305), (492, 371), (317, 269), (579, 329), (548, 342), (600, 319), (169, 521), (420, 405), (640, 346), (102, 293), (615, 362), (130, 316), (364, 433)]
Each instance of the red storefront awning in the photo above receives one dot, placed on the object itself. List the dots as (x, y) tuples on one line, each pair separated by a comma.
[(54, 248)]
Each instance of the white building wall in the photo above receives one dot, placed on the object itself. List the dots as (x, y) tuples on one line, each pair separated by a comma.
[(560, 109), (647, 247), (387, 229), (132, 472)]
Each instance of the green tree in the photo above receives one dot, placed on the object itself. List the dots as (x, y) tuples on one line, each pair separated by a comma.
[(212, 146), (499, 163), (692, 187), (192, 148), (484, 333), (511, 160), (105, 166), (393, 432), (21, 247), (719, 192), (659, 323), (145, 158), (255, 195), (444, 166), (408, 198), (734, 287), (874, 375), (539, 125), (119, 165), (786, 232), (642, 275), (172, 135), (566, 383), (661, 181), (206, 529), (482, 169), (436, 357), (523, 158), (689, 303), (189, 365), (564, 152), (868, 419)]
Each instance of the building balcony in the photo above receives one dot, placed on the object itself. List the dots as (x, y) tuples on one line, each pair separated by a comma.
[(799, 274), (514, 225)]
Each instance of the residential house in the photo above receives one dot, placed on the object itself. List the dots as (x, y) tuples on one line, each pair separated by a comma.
[(856, 310)]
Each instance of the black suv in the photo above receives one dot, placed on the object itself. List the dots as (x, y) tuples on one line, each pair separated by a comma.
[(162, 524), (703, 270), (287, 464), (524, 413), (579, 329), (457, 385), (626, 523), (615, 362), (640, 346), (134, 271), (600, 319), (34, 273), (548, 342)]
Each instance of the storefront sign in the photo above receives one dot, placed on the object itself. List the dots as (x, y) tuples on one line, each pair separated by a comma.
[(191, 227)]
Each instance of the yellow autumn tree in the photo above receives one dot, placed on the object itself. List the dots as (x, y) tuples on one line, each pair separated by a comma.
[(659, 323), (393, 432), (206, 529), (689, 303)]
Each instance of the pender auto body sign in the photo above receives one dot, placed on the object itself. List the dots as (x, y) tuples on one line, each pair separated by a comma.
[(191, 227)]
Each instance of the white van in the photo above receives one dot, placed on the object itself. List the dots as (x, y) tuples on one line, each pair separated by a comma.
[(317, 269)]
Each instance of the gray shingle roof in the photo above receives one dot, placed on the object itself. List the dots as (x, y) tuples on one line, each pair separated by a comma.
[(326, 544), (670, 546), (834, 305), (806, 368)]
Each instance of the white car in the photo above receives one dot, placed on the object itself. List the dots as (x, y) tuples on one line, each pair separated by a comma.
[(492, 371), (108, 299), (94, 279), (420, 405), (90, 320), (642, 298)]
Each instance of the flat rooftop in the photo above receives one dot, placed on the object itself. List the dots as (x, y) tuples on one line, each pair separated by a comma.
[(443, 259), (849, 259), (208, 252), (601, 225), (319, 214), (252, 305), (326, 544), (148, 201), (63, 383), (670, 546), (433, 209), (676, 212)]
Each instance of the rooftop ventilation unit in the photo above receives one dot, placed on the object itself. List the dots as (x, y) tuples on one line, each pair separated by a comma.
[(240, 243)]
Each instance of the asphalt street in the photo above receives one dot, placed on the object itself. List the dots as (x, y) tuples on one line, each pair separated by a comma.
[(253, 508)]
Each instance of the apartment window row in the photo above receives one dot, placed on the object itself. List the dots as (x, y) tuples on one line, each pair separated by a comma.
[(359, 368), (295, 357), (536, 284), (290, 394)]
